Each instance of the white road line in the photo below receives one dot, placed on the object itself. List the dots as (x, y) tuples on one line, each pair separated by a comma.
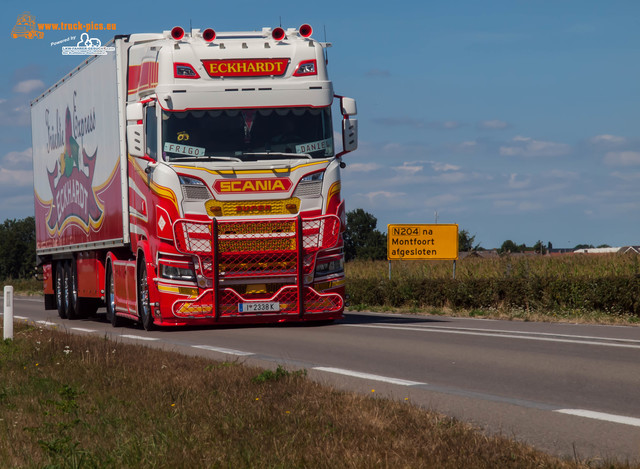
[(82, 329), (357, 374), (47, 323), (228, 351), (546, 334), (507, 336), (601, 416), (21, 317), (138, 337)]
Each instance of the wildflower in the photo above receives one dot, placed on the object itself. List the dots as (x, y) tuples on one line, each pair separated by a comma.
[(37, 364), (173, 405), (257, 398), (373, 390)]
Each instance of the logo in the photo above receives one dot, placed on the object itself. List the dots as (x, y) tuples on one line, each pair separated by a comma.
[(26, 27), (71, 182), (253, 208), (222, 186), (87, 46), (246, 67)]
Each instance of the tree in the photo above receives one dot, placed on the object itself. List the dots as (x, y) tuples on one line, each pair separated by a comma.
[(361, 239), (465, 241), (539, 247), (583, 246), (509, 246), (17, 248)]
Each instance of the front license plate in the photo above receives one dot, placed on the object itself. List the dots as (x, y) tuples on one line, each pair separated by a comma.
[(271, 307)]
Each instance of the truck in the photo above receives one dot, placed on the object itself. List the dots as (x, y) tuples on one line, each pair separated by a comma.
[(193, 178)]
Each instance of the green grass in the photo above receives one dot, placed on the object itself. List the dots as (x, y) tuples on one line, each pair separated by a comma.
[(584, 288), (69, 401)]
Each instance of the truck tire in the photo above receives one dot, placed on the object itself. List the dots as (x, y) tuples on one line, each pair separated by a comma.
[(59, 291), (144, 308), (69, 288), (110, 297)]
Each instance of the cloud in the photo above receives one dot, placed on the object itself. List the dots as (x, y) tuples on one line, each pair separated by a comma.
[(16, 177), (626, 176), (622, 158), (443, 166), (607, 140), (517, 182), (384, 195), (409, 168), (27, 86), (363, 167), (492, 125), (528, 147), (18, 159), (417, 123), (16, 169)]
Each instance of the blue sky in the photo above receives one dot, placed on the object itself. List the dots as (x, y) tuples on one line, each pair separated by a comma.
[(514, 119)]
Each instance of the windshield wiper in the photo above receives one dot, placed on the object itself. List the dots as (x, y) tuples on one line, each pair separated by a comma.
[(278, 153), (208, 158)]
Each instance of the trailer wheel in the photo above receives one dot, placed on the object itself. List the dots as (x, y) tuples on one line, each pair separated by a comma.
[(144, 308), (59, 287), (70, 291), (110, 297)]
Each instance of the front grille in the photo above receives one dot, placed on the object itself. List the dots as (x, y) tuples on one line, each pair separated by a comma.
[(232, 208), (195, 192), (308, 189)]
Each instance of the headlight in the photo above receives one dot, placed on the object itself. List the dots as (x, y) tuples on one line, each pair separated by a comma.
[(177, 273), (330, 267)]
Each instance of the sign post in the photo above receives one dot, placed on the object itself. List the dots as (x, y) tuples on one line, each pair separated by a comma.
[(422, 242), (8, 312)]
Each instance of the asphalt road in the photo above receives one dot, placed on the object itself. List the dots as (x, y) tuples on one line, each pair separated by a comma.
[(570, 390)]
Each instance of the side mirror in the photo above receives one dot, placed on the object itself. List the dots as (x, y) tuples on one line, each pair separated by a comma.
[(348, 106), (349, 134), (135, 137), (135, 140)]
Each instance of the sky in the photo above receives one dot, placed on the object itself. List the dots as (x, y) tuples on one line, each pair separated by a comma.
[(514, 119)]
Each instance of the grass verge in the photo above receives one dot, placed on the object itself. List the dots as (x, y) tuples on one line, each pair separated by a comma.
[(77, 401)]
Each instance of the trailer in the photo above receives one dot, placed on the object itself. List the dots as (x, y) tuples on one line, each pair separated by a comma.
[(193, 178)]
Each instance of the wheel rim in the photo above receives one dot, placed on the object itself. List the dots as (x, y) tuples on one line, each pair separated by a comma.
[(59, 286), (145, 310), (112, 297)]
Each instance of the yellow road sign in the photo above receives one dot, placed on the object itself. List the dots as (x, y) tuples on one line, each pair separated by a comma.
[(422, 242)]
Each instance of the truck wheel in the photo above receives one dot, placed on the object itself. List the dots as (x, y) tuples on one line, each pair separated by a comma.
[(144, 308), (110, 299), (59, 287), (69, 287)]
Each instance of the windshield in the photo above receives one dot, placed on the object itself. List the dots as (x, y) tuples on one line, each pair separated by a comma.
[(247, 134)]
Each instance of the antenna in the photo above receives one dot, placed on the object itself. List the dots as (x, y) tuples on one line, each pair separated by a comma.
[(280, 21), (324, 49)]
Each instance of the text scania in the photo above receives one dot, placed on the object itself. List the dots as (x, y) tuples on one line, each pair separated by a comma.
[(72, 192), (253, 185)]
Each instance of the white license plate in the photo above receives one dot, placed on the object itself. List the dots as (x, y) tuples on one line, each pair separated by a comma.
[(271, 307)]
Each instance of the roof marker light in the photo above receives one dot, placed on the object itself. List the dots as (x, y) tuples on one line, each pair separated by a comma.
[(208, 34), (278, 34), (305, 30), (177, 33)]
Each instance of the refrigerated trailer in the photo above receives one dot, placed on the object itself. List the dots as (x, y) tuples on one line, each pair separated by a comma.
[(193, 178)]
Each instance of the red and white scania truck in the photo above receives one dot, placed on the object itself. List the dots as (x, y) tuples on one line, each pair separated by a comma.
[(193, 178)]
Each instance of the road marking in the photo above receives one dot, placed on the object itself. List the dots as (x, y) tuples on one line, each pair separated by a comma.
[(601, 416), (228, 351), (357, 374), (21, 317), (81, 329), (138, 337), (47, 323), (510, 335)]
